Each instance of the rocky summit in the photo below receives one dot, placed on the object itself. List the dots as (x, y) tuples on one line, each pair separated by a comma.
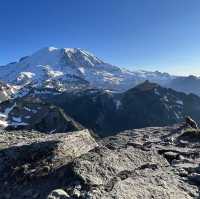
[(153, 162)]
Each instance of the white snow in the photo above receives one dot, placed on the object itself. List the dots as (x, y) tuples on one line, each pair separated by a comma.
[(26, 75), (15, 124), (51, 48), (8, 110), (34, 111), (30, 110), (52, 131), (4, 118), (27, 109), (118, 104), (55, 73), (179, 102), (2, 115), (17, 119), (3, 123), (55, 93), (156, 91), (165, 98), (82, 70), (177, 116)]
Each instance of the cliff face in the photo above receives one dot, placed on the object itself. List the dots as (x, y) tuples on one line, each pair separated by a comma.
[(155, 162)]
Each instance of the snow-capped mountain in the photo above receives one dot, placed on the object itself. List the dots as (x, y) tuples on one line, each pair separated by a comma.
[(63, 67)]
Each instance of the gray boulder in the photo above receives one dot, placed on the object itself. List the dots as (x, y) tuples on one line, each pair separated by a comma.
[(39, 163)]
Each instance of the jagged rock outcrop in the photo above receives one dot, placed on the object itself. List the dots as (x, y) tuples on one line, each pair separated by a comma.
[(134, 164), (32, 164), (153, 162)]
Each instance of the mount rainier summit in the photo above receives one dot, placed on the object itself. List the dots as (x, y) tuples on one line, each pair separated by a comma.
[(60, 68)]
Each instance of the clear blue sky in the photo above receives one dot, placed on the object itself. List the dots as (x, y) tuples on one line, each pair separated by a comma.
[(139, 34)]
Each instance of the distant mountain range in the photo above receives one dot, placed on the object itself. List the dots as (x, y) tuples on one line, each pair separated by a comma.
[(66, 68), (190, 84), (102, 111), (70, 89), (148, 104)]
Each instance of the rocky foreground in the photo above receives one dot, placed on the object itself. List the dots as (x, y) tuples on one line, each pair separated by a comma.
[(156, 162)]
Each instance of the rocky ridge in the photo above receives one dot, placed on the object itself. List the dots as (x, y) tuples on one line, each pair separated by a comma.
[(31, 113), (154, 162), (107, 113)]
